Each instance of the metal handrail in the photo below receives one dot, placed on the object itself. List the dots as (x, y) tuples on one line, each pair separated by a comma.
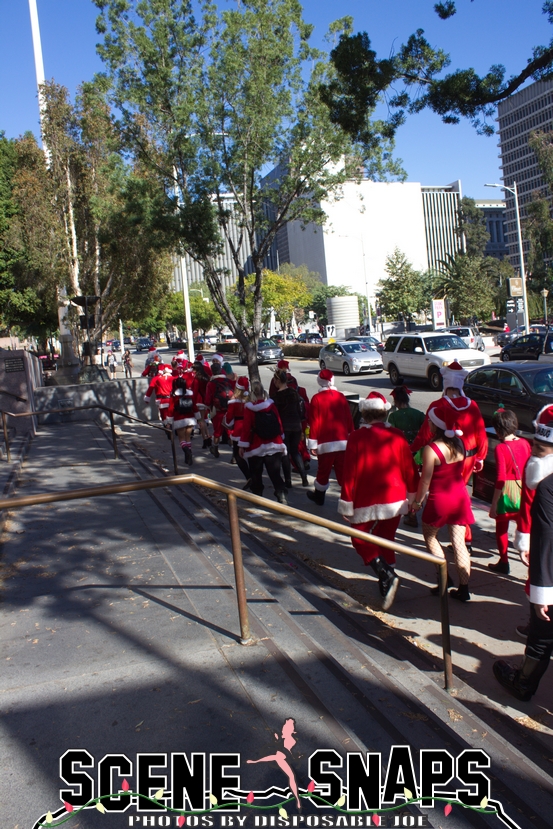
[(101, 406), (234, 524)]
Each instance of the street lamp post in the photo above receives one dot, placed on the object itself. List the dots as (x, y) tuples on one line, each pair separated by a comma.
[(545, 294), (514, 191)]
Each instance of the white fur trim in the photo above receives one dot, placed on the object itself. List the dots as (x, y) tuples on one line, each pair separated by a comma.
[(331, 446), (147, 398), (458, 407), (541, 595), (258, 407), (379, 512), (345, 507), (325, 384), (181, 422), (374, 404), (163, 405), (537, 469), (243, 444), (312, 444), (321, 487), (436, 420), (522, 542), (265, 449)]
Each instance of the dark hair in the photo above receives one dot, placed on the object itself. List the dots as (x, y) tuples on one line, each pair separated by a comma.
[(401, 398), (455, 444), (216, 368), (281, 375), (505, 423), (199, 368)]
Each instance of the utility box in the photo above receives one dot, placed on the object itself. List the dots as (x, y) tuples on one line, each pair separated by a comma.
[(20, 374)]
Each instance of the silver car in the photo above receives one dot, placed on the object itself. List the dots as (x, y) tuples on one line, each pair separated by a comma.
[(471, 336), (350, 358)]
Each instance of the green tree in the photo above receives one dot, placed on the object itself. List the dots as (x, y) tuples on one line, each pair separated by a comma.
[(401, 295), (411, 80), (472, 228), (467, 284), (209, 103)]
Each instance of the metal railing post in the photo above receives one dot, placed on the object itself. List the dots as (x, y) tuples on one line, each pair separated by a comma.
[(113, 437), (6, 441), (234, 523), (174, 451), (446, 637)]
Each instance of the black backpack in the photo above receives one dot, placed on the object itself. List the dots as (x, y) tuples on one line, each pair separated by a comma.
[(184, 404), (223, 393), (267, 425)]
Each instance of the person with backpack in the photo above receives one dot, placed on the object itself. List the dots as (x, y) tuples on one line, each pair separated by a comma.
[(284, 365), (185, 411), (161, 387), (218, 393), (233, 422), (262, 442), (288, 403)]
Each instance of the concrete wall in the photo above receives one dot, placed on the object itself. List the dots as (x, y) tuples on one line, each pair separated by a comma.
[(125, 396)]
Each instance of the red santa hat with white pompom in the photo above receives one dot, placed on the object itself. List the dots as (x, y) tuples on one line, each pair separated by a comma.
[(374, 402), (325, 379), (445, 418), (543, 424)]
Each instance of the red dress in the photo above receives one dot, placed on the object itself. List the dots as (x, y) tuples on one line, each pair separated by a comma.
[(448, 501)]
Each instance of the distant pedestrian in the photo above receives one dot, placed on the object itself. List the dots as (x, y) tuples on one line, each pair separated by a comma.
[(112, 364), (404, 418), (233, 422), (288, 403), (511, 455), (219, 392), (128, 363)]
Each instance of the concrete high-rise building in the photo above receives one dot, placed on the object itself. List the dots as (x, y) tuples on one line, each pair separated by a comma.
[(521, 114), (494, 213), (441, 222)]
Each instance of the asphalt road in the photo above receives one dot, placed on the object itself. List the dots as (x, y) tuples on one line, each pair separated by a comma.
[(306, 372)]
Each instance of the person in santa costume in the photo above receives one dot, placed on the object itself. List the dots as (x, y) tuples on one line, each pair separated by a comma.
[(151, 367), (262, 441), (233, 421), (380, 481), (330, 425), (284, 365), (448, 503), (185, 409), (522, 682), (161, 387), (470, 422)]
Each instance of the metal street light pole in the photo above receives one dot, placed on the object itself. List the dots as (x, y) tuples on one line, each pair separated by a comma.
[(545, 294), (514, 191)]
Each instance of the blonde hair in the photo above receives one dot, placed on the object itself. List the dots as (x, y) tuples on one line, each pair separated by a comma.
[(257, 392)]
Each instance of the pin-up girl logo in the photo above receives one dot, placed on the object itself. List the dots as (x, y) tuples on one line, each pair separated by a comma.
[(287, 742)]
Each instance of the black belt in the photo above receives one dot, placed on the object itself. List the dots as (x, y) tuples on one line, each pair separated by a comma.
[(471, 453)]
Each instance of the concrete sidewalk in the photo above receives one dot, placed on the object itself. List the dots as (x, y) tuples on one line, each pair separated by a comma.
[(121, 635)]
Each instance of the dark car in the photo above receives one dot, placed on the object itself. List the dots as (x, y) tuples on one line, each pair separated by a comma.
[(143, 343), (310, 338), (267, 352), (116, 345), (524, 387), (506, 337), (528, 347)]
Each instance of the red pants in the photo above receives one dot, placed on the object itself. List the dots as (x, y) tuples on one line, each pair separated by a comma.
[(385, 528), (324, 468), (217, 420), (502, 532)]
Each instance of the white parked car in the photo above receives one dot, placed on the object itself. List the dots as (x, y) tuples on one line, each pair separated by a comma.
[(350, 358), (423, 355)]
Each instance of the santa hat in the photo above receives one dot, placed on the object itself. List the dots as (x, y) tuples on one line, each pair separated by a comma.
[(243, 383), (152, 348), (219, 358), (543, 424), (282, 365), (454, 375), (374, 402), (445, 418), (325, 378), (180, 356), (459, 404), (163, 368)]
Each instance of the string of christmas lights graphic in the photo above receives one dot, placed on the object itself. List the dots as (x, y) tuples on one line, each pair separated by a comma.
[(488, 807)]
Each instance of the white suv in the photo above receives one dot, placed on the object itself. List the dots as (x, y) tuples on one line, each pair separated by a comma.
[(424, 354)]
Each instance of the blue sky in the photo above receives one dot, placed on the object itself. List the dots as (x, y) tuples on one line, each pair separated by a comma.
[(483, 32)]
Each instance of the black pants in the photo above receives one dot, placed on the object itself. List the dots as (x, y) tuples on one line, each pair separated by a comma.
[(272, 465), (241, 463), (539, 644), (292, 441)]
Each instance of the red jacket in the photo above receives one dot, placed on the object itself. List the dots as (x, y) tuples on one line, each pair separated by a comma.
[(380, 475), (161, 387), (234, 418), (330, 422), (253, 444)]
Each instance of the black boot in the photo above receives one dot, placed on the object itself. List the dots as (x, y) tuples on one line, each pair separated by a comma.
[(188, 455), (388, 582), (207, 443), (461, 594), (317, 496), (521, 682)]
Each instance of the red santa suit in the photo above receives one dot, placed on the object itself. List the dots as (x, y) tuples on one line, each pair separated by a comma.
[(330, 425), (185, 406), (250, 441), (161, 386), (380, 482)]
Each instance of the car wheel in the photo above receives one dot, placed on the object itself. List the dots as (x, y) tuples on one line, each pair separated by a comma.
[(504, 357), (322, 365), (346, 369), (482, 347), (435, 379), (395, 377)]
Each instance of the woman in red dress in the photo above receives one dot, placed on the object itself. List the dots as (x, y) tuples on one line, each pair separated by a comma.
[(448, 502), (511, 456)]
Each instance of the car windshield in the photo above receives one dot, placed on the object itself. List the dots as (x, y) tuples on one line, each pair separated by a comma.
[(443, 343), (267, 344), (351, 348), (541, 382)]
